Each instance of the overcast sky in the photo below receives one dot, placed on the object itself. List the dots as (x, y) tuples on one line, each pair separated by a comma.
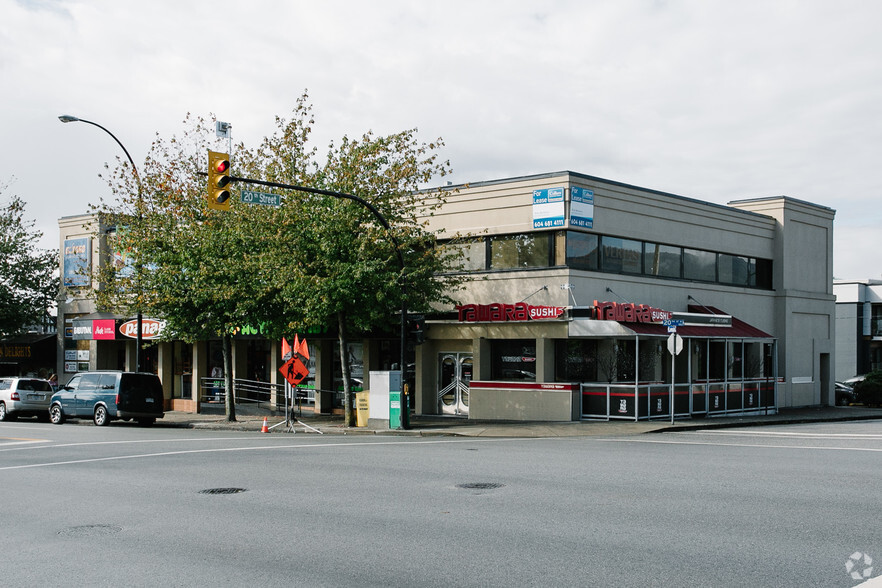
[(714, 100)]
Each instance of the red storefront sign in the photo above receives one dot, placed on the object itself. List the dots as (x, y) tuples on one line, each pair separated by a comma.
[(499, 312), (104, 329), (630, 313)]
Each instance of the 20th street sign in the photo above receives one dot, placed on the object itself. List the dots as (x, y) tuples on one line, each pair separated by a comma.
[(253, 197)]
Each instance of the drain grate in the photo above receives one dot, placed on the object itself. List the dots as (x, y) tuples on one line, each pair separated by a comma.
[(222, 491), (89, 530), (480, 486)]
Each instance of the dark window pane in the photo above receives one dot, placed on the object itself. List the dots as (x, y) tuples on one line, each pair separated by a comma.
[(581, 250), (733, 269), (699, 265), (621, 256), (661, 260), (513, 359)]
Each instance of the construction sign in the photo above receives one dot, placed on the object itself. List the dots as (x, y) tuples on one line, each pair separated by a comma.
[(294, 370)]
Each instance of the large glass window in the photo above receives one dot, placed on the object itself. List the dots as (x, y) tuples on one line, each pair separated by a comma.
[(734, 269), (523, 250), (621, 256), (575, 360), (589, 251), (513, 359), (582, 249), (473, 254), (699, 265), (662, 260)]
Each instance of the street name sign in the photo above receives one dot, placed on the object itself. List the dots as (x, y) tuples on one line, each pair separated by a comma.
[(252, 197)]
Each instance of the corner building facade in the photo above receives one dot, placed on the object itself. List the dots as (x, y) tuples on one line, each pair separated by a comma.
[(580, 288)]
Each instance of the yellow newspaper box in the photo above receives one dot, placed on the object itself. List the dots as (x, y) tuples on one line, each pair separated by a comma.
[(362, 406)]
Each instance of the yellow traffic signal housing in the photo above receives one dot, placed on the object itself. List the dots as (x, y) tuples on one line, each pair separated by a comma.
[(218, 180)]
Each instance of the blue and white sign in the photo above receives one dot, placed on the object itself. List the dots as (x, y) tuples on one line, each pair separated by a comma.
[(581, 207), (548, 208), (77, 256)]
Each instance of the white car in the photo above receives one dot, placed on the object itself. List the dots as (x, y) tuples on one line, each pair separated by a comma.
[(24, 397)]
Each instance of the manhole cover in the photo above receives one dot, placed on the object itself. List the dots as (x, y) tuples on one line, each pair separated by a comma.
[(480, 486), (89, 530), (222, 491)]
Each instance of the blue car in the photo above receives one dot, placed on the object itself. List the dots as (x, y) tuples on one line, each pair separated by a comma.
[(107, 396)]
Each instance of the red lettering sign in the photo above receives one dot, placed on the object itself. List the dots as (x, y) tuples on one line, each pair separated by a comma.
[(499, 312), (629, 313)]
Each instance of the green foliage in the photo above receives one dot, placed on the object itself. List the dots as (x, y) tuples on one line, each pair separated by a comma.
[(28, 280), (869, 390), (316, 261)]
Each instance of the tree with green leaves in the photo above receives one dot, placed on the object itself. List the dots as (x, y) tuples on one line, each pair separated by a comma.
[(28, 274), (315, 262)]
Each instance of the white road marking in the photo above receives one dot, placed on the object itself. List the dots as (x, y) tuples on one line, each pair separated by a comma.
[(259, 448), (721, 444), (792, 434)]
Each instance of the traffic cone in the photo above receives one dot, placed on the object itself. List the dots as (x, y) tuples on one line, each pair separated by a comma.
[(264, 428)]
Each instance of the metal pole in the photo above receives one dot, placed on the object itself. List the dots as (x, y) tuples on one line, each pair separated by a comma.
[(66, 118)]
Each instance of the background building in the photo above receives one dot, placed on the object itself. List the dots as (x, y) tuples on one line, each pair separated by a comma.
[(858, 327)]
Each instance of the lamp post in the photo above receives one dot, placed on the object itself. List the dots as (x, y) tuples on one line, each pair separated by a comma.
[(66, 118)]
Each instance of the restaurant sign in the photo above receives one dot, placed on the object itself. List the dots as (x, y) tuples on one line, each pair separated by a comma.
[(500, 313), (630, 313)]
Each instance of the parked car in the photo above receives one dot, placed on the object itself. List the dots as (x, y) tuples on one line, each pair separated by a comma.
[(844, 394), (24, 397), (107, 396)]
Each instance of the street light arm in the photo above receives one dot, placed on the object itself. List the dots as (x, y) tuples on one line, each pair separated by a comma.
[(66, 118)]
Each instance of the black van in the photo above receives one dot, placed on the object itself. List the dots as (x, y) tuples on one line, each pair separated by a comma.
[(106, 396)]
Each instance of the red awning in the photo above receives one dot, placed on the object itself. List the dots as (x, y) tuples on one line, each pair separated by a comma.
[(738, 330)]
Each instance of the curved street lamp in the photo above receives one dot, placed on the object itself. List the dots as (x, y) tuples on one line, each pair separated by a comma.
[(66, 118)]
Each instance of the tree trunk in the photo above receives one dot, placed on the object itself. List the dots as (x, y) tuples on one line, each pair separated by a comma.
[(348, 414), (230, 401)]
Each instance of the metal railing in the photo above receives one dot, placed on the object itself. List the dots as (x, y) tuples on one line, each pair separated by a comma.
[(261, 394), (652, 401)]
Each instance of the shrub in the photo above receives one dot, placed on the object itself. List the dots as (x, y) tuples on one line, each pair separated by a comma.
[(869, 390)]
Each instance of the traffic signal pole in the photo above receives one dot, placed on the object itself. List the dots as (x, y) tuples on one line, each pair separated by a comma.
[(405, 410)]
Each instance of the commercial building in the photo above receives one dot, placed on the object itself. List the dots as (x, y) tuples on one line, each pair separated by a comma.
[(576, 279), (858, 327), (576, 285)]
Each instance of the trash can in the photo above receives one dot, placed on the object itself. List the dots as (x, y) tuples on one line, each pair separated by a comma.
[(362, 408)]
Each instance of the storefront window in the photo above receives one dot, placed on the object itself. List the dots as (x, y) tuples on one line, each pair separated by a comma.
[(575, 360), (582, 250), (517, 251), (621, 256), (662, 260), (699, 265), (735, 360), (182, 367), (513, 359)]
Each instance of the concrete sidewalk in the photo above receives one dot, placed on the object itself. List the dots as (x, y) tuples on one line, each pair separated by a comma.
[(457, 426)]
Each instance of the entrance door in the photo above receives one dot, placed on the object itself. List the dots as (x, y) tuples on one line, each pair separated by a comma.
[(455, 371)]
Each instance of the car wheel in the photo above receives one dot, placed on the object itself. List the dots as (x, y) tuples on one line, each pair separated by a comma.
[(101, 418), (146, 422), (4, 416), (56, 416)]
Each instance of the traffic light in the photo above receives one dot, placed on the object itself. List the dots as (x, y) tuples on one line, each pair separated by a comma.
[(218, 179), (418, 329)]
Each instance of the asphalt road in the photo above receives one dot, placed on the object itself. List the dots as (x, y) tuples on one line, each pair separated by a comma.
[(123, 505)]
